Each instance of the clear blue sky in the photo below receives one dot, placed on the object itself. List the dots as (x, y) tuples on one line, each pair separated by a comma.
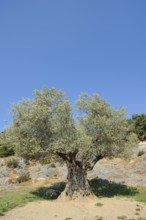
[(96, 46)]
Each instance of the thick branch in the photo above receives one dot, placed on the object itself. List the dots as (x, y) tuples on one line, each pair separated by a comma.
[(90, 166), (68, 157), (63, 156)]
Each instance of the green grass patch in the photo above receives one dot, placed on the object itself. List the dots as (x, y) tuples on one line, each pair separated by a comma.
[(141, 194), (99, 204), (99, 218), (12, 198), (123, 217), (126, 218)]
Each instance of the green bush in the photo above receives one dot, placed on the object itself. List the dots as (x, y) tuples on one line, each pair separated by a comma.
[(6, 151), (12, 162), (99, 204), (140, 153), (25, 176), (52, 165), (139, 125), (6, 146), (45, 161)]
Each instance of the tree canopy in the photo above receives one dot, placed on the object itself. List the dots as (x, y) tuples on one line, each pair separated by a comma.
[(45, 125)]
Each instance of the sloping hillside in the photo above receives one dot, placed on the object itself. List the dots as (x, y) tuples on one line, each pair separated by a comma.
[(129, 172)]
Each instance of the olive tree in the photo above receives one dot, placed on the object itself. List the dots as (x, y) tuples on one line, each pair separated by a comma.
[(44, 125)]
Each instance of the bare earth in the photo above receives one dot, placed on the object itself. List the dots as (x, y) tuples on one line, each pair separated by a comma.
[(78, 210)]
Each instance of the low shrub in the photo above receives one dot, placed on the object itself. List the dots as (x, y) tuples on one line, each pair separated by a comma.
[(45, 161), (12, 162), (99, 218), (25, 176), (52, 165), (99, 204), (6, 151), (140, 153)]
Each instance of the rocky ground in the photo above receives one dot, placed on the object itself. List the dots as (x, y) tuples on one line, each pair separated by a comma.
[(129, 172)]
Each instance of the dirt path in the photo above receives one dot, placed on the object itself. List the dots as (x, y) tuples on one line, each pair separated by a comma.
[(108, 209)]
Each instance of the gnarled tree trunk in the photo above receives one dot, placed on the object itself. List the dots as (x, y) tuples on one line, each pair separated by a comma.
[(77, 185)]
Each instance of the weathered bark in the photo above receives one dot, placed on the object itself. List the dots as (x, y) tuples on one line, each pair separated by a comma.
[(77, 185)]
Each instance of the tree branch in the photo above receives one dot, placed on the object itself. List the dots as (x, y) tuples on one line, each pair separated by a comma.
[(68, 157), (90, 166), (63, 156)]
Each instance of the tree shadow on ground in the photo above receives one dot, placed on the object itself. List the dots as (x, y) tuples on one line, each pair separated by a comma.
[(105, 188), (50, 192), (99, 187)]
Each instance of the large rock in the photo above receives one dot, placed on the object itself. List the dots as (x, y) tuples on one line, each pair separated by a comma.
[(121, 171), (38, 171)]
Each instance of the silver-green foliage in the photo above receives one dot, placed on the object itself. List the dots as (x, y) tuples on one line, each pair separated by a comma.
[(106, 126), (45, 125)]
